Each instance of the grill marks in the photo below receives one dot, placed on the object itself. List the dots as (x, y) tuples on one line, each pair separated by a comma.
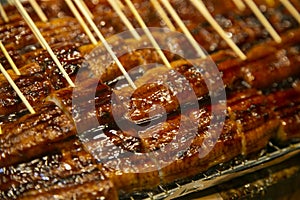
[(287, 108), (34, 88), (280, 67), (40, 79), (44, 78), (34, 135), (69, 173), (244, 27)]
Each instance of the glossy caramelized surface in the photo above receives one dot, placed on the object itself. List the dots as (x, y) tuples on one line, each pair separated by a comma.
[(42, 156)]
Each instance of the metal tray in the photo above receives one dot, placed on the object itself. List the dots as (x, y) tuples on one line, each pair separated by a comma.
[(270, 156)]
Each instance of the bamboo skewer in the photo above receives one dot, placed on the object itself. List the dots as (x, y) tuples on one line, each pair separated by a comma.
[(30, 26), (18, 91), (263, 20), (120, 4), (148, 33), (105, 43), (38, 10), (203, 10), (42, 40), (287, 4), (81, 21), (184, 29), (3, 14), (87, 9), (239, 4), (163, 14), (11, 62), (124, 19)]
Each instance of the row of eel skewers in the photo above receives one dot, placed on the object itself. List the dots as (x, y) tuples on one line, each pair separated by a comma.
[(255, 46)]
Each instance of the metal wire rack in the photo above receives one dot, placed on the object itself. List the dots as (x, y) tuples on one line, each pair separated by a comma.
[(237, 167)]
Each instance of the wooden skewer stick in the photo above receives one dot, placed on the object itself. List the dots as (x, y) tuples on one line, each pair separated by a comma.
[(125, 20), (29, 24), (239, 4), (163, 14), (263, 20), (35, 30), (81, 21), (38, 10), (203, 10), (148, 33), (183, 27), (11, 62), (120, 4), (105, 43), (87, 9), (18, 91), (287, 4), (3, 14)]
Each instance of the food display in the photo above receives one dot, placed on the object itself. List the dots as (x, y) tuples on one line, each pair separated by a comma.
[(44, 155)]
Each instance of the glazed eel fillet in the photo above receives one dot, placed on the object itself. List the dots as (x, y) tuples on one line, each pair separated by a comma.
[(252, 119), (154, 86), (24, 49), (54, 36), (35, 135), (70, 173), (41, 79), (245, 29)]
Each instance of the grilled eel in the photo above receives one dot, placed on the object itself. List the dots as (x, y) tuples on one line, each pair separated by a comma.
[(279, 67), (64, 169), (224, 59), (251, 113), (168, 176), (166, 88), (286, 105), (55, 123), (52, 9), (67, 174), (21, 48), (207, 37), (136, 58), (131, 178), (35, 87), (238, 137), (243, 27), (47, 26), (40, 78), (20, 138)]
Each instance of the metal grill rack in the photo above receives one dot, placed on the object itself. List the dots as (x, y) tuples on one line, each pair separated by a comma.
[(221, 173)]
